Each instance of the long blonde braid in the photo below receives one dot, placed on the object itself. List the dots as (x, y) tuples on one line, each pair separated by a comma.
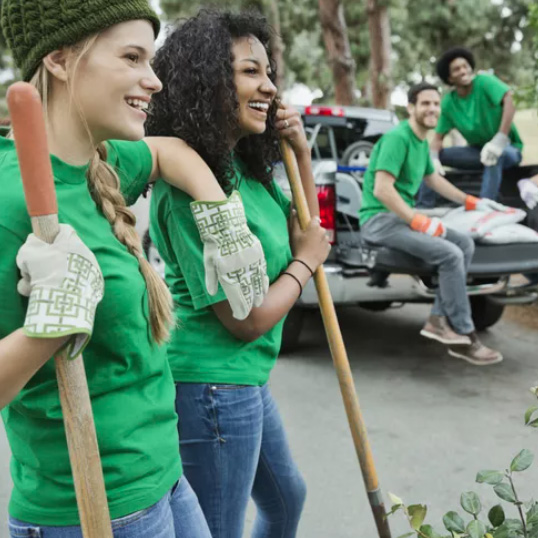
[(104, 186)]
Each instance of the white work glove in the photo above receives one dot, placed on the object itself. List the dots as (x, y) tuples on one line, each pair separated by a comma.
[(529, 192), (233, 256), (494, 149), (438, 167), (486, 205), (429, 226), (64, 284)]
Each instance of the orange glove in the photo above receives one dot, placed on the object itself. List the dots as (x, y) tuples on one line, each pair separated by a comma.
[(483, 204), (470, 202), (423, 224)]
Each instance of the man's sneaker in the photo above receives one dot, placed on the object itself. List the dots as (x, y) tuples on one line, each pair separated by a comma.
[(437, 328), (477, 353)]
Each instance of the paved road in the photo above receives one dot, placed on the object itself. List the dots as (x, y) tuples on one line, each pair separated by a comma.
[(433, 421)]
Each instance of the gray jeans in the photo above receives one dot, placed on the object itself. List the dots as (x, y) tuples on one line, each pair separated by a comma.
[(452, 255)]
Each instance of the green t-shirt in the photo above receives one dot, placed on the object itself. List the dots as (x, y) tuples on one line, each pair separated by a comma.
[(404, 155), (202, 350), (477, 116), (129, 379)]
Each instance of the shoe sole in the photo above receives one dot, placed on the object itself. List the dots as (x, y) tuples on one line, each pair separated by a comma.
[(432, 336), (473, 361)]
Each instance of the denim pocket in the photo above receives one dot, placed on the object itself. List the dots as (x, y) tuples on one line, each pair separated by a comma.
[(130, 518), (21, 530)]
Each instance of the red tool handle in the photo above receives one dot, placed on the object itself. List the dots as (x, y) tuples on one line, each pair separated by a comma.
[(28, 124)]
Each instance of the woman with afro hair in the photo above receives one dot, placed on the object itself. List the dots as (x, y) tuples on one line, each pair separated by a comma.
[(481, 107), (219, 96)]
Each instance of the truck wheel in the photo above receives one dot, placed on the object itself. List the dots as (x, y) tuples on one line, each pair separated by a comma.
[(292, 330), (485, 312)]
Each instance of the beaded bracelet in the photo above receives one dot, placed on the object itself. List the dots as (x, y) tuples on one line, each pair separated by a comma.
[(305, 264), (296, 280)]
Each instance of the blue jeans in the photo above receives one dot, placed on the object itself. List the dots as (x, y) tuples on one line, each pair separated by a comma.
[(233, 446), (451, 255), (176, 515), (468, 158)]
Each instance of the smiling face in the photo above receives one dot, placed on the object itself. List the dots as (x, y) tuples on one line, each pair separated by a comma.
[(255, 90), (113, 83), (426, 110), (460, 72)]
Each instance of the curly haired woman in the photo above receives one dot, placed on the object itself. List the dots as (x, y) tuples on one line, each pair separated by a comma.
[(219, 97), (90, 61)]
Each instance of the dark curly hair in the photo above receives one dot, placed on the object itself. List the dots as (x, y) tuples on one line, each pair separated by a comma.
[(199, 103), (443, 64)]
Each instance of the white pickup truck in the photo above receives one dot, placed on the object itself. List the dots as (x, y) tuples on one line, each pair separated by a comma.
[(378, 278)]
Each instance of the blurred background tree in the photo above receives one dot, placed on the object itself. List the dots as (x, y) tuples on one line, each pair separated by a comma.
[(501, 33)]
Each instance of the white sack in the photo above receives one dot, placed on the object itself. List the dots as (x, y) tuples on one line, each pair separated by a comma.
[(478, 223), (510, 233)]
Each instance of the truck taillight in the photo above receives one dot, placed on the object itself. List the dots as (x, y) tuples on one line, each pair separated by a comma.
[(327, 210), (314, 110)]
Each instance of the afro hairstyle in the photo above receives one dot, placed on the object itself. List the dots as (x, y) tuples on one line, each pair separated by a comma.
[(443, 64)]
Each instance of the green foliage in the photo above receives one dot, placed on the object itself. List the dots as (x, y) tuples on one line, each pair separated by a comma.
[(453, 522), (470, 502), (505, 492), (425, 28), (489, 477), (496, 515), (496, 525), (420, 31), (476, 529), (417, 515), (522, 461)]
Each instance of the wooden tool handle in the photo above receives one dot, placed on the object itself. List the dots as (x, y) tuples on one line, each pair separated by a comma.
[(31, 142), (339, 355)]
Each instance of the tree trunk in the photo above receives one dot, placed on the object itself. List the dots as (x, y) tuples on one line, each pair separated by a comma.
[(277, 45), (380, 49), (333, 25)]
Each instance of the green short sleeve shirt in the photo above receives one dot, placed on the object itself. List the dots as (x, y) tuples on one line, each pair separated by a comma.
[(202, 350), (403, 155), (129, 379), (477, 116)]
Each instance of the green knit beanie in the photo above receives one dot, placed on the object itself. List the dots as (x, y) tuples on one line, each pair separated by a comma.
[(34, 28)]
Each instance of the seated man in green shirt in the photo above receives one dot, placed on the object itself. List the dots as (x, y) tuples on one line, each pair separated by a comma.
[(481, 108), (398, 164)]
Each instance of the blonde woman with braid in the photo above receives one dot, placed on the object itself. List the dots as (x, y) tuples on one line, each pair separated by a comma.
[(91, 63)]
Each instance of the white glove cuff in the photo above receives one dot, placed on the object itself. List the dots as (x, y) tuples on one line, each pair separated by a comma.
[(57, 312), (500, 140), (216, 218)]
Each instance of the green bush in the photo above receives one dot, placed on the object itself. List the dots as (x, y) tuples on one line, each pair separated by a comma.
[(496, 524)]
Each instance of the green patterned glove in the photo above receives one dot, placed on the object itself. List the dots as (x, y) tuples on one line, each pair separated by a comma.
[(233, 256), (64, 284)]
